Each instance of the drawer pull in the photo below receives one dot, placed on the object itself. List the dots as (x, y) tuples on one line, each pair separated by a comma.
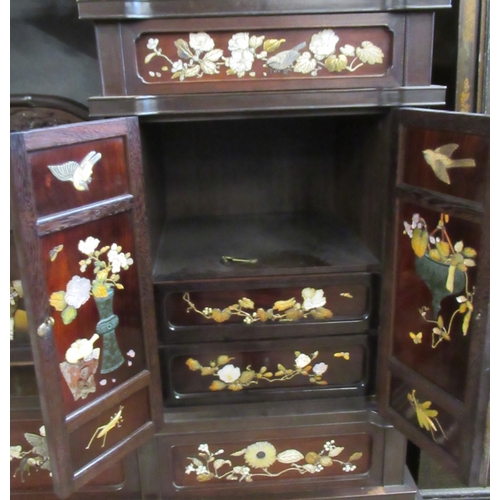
[(228, 258)]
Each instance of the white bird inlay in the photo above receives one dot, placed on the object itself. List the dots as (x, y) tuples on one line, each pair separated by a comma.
[(80, 174)]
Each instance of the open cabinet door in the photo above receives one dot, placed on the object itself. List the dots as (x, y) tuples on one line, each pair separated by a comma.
[(80, 228), (434, 347)]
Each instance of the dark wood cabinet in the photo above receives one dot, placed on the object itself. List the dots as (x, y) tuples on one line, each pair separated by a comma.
[(312, 274)]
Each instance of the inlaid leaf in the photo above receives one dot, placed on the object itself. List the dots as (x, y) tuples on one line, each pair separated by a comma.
[(336, 64), (467, 318), (335, 451), (325, 461), (193, 364), (190, 72), (289, 456), (217, 385), (149, 57), (239, 453), (469, 252), (246, 303), (221, 316), (183, 50), (443, 248), (322, 313), (450, 281), (208, 67), (272, 44), (57, 301), (68, 315), (247, 376), (355, 456), (283, 305), (99, 290), (223, 359), (220, 462), (435, 255), (213, 55), (261, 314), (205, 477), (419, 241), (294, 314)]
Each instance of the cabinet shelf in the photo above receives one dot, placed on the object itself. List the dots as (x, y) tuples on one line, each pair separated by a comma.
[(276, 244)]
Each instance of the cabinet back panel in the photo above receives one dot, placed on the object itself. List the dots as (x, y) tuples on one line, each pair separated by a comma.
[(331, 164)]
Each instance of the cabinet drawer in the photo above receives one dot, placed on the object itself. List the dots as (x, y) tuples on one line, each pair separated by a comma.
[(187, 63), (277, 369), (260, 449), (260, 308)]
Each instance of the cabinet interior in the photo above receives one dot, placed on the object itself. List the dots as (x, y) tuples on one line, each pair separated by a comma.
[(272, 186)]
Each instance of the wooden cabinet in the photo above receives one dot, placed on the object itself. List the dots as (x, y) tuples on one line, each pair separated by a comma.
[(274, 314)]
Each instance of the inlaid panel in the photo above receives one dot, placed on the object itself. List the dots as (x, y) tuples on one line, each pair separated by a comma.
[(261, 55), (437, 257), (429, 417), (99, 435), (241, 54), (444, 161), (73, 176), (236, 371), (269, 305), (97, 317), (271, 461)]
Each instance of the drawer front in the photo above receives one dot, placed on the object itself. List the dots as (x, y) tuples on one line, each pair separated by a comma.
[(252, 371), (258, 453), (269, 307), (265, 53)]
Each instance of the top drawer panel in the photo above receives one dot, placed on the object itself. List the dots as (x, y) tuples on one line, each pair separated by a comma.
[(267, 53), (198, 64)]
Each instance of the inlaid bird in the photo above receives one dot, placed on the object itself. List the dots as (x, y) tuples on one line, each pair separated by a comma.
[(80, 174), (283, 60), (440, 161)]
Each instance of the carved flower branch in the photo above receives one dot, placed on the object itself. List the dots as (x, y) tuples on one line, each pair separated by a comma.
[(426, 416), (282, 310), (199, 57), (260, 456), (233, 378), (79, 289), (456, 259)]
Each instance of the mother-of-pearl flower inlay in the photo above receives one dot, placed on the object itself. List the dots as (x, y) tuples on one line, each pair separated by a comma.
[(199, 56)]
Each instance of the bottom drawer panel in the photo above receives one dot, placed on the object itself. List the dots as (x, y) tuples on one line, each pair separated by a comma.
[(253, 371), (248, 450)]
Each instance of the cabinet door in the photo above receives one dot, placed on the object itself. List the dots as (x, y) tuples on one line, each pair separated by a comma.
[(80, 228), (434, 354)]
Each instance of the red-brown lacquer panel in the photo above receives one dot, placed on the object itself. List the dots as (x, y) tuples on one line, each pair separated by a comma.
[(100, 434), (93, 287), (446, 161), (235, 464), (268, 305), (425, 415), (264, 55), (73, 176), (435, 280), (30, 464)]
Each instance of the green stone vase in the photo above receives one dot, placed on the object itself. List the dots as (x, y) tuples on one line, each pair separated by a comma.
[(435, 275), (111, 355)]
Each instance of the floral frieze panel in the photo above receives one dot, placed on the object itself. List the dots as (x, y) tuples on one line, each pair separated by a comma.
[(272, 460), (226, 56)]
